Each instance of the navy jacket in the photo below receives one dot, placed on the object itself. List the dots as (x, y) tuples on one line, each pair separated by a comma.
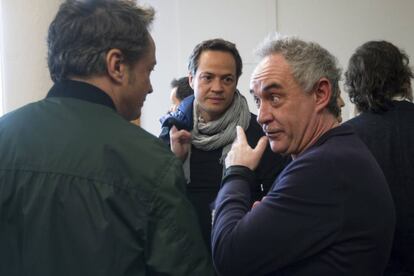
[(329, 213)]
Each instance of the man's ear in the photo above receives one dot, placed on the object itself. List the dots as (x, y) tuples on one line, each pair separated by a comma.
[(190, 80), (115, 65), (323, 92)]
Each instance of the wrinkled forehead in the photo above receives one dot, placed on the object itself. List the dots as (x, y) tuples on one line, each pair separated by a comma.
[(259, 71), (270, 68)]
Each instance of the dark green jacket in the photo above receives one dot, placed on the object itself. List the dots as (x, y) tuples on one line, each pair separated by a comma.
[(85, 192)]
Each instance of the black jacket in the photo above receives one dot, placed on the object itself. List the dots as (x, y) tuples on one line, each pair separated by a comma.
[(390, 137)]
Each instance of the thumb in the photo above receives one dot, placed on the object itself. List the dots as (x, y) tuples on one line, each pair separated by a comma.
[(255, 204), (173, 130), (241, 136), (261, 145)]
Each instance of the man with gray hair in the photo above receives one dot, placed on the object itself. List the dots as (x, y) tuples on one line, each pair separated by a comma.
[(329, 212), (82, 190)]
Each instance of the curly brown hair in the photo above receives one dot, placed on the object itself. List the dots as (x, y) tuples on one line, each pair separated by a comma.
[(377, 72)]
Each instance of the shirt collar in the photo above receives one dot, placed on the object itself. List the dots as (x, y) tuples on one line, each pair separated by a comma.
[(400, 98), (341, 130)]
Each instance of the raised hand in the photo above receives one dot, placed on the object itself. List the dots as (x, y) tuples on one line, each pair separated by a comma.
[(242, 154), (180, 142)]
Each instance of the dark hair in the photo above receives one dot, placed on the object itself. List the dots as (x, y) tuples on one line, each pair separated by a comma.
[(308, 61), (83, 31), (217, 44), (183, 88), (377, 72)]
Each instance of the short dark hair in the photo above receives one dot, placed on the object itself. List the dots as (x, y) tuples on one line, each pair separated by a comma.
[(216, 44), (183, 88), (377, 72), (83, 31)]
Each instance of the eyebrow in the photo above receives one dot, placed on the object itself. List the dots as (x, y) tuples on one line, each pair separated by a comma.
[(215, 74), (269, 86), (272, 85)]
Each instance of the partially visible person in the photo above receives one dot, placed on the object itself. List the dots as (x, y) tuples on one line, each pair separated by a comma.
[(206, 127), (378, 81), (341, 104), (329, 212), (82, 190), (180, 89)]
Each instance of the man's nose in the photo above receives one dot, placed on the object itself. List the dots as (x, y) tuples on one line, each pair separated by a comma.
[(264, 113), (217, 85)]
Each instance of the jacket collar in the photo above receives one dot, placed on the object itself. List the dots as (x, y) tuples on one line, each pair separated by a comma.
[(81, 91), (182, 118)]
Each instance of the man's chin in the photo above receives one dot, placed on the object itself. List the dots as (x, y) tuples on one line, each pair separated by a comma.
[(134, 117), (277, 149)]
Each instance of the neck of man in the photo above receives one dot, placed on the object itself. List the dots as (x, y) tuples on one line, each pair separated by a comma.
[(102, 83), (323, 123), (205, 117)]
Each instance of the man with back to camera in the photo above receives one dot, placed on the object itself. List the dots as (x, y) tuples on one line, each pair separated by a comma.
[(330, 211), (378, 81), (208, 119), (84, 191)]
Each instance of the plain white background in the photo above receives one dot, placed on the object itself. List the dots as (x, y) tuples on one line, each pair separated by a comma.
[(338, 25)]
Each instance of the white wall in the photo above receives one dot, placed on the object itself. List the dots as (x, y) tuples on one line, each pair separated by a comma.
[(182, 24), (25, 73), (1, 62), (340, 26)]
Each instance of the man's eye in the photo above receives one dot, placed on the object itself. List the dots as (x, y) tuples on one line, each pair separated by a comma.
[(228, 80), (275, 99), (206, 78), (257, 102)]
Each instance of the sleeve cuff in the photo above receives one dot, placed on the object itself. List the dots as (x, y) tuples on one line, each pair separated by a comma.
[(238, 172)]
